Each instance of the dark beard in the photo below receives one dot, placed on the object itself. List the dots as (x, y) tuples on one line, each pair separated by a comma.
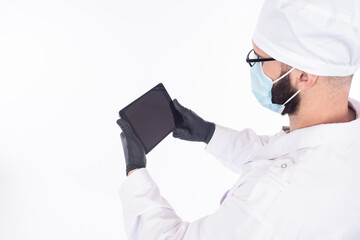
[(282, 91)]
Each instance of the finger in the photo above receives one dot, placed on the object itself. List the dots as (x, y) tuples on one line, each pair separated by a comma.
[(181, 133), (125, 126), (123, 138), (124, 144), (122, 123)]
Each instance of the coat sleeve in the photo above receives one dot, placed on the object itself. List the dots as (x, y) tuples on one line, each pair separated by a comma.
[(147, 215), (234, 148)]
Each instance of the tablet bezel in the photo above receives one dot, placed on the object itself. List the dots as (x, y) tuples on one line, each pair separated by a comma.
[(176, 116)]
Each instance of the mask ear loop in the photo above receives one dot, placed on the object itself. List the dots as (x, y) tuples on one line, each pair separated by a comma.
[(284, 75), (283, 106)]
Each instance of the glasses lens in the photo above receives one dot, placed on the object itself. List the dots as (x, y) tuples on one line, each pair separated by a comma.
[(253, 55)]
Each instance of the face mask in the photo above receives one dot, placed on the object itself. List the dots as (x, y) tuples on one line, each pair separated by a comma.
[(261, 87)]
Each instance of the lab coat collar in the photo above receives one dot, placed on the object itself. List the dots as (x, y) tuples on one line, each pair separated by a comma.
[(284, 143)]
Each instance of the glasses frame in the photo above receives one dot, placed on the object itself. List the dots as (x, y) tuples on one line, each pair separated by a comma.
[(252, 61)]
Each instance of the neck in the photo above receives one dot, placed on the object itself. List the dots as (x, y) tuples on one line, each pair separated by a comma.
[(315, 113)]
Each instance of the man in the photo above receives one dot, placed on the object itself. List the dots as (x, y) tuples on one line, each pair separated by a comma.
[(301, 183)]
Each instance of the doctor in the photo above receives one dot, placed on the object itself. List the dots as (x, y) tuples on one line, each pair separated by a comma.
[(304, 181)]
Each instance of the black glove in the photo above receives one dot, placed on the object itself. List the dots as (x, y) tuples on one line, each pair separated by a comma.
[(193, 127), (133, 150)]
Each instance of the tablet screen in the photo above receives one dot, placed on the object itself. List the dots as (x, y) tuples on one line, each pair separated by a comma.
[(151, 116)]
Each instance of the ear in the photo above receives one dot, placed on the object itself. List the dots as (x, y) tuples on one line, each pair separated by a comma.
[(305, 80)]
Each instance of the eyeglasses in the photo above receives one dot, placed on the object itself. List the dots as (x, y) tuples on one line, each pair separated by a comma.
[(253, 58)]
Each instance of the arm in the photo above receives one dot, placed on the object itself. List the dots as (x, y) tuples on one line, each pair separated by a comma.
[(234, 148), (147, 215), (132, 171)]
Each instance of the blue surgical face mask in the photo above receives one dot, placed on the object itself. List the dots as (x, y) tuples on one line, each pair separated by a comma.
[(261, 87)]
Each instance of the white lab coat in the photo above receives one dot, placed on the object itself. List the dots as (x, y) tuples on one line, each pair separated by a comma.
[(299, 185)]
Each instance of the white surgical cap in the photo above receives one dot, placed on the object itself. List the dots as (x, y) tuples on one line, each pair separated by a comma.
[(321, 37)]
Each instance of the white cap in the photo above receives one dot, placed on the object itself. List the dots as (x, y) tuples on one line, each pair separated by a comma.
[(321, 37)]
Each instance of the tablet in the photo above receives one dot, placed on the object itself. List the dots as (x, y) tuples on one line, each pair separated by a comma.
[(152, 116)]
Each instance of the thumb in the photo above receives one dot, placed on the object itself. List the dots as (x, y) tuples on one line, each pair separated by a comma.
[(178, 106), (184, 112)]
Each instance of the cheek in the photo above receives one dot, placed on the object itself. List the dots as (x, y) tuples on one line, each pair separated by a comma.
[(272, 70)]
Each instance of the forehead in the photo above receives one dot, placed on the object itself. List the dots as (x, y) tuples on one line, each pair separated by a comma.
[(260, 52)]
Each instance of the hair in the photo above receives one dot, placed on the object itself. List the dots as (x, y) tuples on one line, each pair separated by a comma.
[(335, 82), (282, 91), (338, 83)]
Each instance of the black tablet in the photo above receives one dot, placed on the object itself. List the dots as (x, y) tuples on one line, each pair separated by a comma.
[(152, 116)]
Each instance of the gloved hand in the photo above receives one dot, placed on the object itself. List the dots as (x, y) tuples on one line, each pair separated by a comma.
[(133, 150), (193, 127)]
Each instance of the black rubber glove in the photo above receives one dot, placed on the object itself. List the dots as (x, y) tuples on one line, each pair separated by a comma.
[(193, 127), (133, 150)]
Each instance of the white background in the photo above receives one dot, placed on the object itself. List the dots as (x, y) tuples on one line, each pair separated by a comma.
[(68, 67)]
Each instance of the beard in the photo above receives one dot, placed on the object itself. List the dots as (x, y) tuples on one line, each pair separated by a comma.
[(282, 91)]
